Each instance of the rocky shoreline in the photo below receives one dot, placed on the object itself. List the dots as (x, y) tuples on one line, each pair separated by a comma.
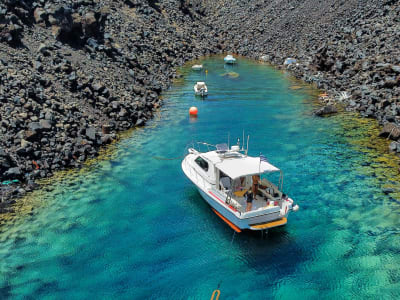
[(72, 75)]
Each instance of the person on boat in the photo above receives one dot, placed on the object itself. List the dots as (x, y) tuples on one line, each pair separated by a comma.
[(239, 184), (257, 185), (249, 200), (256, 182)]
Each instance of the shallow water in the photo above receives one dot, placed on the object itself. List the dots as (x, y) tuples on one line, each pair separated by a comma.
[(133, 227)]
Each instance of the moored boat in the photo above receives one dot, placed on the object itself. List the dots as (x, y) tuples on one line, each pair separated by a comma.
[(229, 59), (197, 67), (200, 89), (236, 186)]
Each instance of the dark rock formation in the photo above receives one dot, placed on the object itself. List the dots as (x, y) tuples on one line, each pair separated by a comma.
[(326, 110)]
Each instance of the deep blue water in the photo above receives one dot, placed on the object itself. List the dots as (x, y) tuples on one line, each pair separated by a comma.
[(133, 227)]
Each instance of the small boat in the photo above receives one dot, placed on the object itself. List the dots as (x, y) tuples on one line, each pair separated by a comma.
[(229, 59), (289, 61), (200, 89), (225, 179), (197, 67)]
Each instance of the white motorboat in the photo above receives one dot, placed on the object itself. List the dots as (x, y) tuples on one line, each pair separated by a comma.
[(226, 179), (200, 89), (229, 59), (197, 67)]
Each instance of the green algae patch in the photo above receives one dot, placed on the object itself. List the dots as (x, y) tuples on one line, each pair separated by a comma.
[(232, 75), (362, 134)]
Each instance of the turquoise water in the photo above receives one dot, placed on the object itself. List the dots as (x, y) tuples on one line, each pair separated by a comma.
[(133, 227)]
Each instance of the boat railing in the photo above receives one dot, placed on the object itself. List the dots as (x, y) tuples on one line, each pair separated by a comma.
[(226, 153), (203, 144)]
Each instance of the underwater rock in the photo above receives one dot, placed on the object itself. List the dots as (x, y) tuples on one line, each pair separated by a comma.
[(326, 110), (388, 190), (230, 75)]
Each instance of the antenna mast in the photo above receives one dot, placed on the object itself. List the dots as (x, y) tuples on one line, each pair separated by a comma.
[(243, 141), (247, 150)]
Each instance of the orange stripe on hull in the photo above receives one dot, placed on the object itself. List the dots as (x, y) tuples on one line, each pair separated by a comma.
[(233, 226)]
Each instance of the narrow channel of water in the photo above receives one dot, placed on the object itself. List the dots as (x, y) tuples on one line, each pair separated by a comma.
[(133, 227)]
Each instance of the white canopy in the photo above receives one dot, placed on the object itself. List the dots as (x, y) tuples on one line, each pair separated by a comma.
[(244, 166)]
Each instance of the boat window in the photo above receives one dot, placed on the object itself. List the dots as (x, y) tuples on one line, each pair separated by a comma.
[(202, 163)]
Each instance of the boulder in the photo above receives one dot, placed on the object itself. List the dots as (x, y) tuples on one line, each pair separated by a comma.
[(393, 146), (35, 126), (5, 162), (13, 173), (396, 69), (326, 110), (390, 130), (45, 125), (30, 135), (89, 24), (40, 15), (91, 133)]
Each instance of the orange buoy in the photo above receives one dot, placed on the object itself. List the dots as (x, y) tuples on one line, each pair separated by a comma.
[(193, 111)]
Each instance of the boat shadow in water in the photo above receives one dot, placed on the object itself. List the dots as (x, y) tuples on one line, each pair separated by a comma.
[(277, 253), (203, 210)]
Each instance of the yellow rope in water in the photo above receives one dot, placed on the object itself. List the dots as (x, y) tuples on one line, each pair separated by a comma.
[(216, 292)]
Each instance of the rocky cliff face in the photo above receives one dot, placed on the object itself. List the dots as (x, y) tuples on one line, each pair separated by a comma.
[(72, 74)]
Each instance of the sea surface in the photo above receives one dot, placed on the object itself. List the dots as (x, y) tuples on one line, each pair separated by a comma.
[(131, 226)]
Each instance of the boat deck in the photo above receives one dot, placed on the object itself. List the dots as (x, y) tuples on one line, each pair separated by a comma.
[(258, 201)]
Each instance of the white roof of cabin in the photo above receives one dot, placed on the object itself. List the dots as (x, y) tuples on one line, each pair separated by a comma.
[(240, 165)]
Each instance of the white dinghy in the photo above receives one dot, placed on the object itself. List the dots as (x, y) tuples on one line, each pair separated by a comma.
[(235, 185), (197, 67), (200, 89), (229, 59)]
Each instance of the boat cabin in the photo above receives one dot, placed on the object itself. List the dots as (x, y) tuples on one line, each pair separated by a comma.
[(235, 175)]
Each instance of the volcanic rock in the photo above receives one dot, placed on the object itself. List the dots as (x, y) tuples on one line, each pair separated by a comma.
[(390, 130), (326, 110)]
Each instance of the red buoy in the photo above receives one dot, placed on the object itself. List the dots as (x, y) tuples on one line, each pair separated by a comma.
[(193, 111)]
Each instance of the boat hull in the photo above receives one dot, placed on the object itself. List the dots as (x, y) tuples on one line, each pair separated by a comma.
[(204, 94), (231, 215)]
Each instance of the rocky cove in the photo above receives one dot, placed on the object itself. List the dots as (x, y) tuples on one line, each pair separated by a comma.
[(72, 75)]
